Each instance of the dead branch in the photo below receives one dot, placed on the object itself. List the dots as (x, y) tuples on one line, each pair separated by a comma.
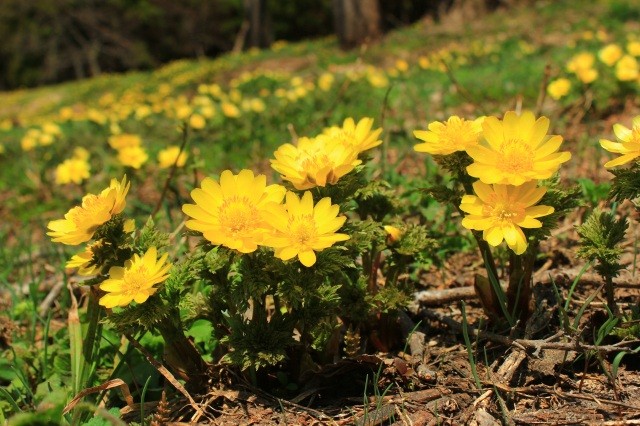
[(536, 345)]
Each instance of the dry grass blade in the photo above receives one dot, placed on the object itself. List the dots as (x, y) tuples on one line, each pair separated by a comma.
[(109, 384), (165, 373)]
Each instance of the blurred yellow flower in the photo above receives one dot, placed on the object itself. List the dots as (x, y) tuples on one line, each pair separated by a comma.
[(359, 135), (559, 88), (302, 229), (444, 138), (629, 145), (516, 150), (582, 66), (230, 110), (501, 211), (196, 121), (610, 54), (167, 157), (132, 156), (325, 81), (135, 281), (627, 69), (402, 65), (183, 111), (633, 48), (81, 222), (257, 105), (314, 162), (72, 170), (124, 140), (232, 213), (80, 153), (424, 62)]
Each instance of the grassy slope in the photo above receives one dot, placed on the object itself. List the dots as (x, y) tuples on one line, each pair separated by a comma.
[(497, 61)]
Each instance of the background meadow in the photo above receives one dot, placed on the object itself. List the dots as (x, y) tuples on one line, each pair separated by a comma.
[(578, 66)]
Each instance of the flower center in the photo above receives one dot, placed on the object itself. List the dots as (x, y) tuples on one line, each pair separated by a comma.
[(515, 156), (512, 213), (135, 280), (237, 215), (303, 229)]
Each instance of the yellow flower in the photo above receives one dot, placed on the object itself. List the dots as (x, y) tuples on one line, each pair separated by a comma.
[(633, 48), (232, 213), (517, 150), (81, 222), (134, 281), (359, 136), (132, 156), (72, 170), (80, 153), (301, 229), (314, 162), (167, 157), (124, 140), (196, 121), (393, 233), (629, 145), (84, 261), (402, 65), (325, 81), (501, 211), (230, 110), (627, 69), (610, 54), (444, 138), (582, 66), (559, 88)]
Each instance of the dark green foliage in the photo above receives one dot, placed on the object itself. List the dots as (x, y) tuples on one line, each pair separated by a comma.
[(375, 200), (144, 315), (600, 237), (150, 236), (257, 342), (562, 200), (626, 183)]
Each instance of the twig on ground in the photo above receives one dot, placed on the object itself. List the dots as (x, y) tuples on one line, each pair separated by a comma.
[(543, 89), (537, 345)]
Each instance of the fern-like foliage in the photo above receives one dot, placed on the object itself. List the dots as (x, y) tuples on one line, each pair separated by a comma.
[(150, 237), (146, 315), (562, 200), (375, 200), (600, 238), (258, 343), (626, 183)]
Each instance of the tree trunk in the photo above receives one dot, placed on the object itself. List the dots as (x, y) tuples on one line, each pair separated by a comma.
[(356, 21), (259, 33)]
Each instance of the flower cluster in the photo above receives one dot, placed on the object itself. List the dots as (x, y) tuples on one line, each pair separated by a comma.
[(508, 157), (130, 150), (242, 212), (325, 158)]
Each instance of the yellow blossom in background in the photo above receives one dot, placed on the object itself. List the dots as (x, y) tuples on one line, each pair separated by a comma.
[(230, 110), (135, 281), (208, 111), (627, 69), (28, 142), (81, 222), (444, 138), (72, 170), (314, 162), (124, 140), (402, 65), (610, 54), (257, 105), (633, 48), (302, 229), (96, 116), (377, 79), (501, 211), (196, 121), (167, 157), (325, 81), (80, 153), (629, 145), (559, 88), (357, 135), (183, 111), (46, 139), (582, 66), (424, 62), (232, 213), (83, 261), (516, 150), (132, 156)]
